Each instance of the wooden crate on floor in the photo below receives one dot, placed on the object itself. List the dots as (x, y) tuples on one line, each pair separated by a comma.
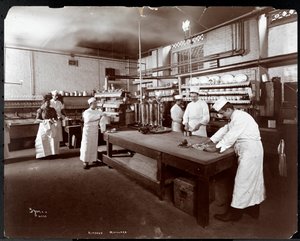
[(184, 195)]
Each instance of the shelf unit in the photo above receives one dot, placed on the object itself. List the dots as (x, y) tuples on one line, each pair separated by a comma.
[(112, 104), (166, 92), (236, 93)]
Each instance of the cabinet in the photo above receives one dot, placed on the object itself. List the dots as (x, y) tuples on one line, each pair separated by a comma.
[(113, 104)]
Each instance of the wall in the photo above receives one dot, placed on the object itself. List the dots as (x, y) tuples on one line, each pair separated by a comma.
[(251, 43), (288, 73), (17, 67), (43, 72), (282, 39)]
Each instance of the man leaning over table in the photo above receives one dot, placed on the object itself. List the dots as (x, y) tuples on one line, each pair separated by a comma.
[(242, 132)]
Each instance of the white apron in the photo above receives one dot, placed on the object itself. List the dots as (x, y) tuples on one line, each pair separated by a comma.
[(195, 113), (249, 188), (89, 141), (58, 106), (59, 131), (89, 144), (176, 126), (46, 142), (201, 131)]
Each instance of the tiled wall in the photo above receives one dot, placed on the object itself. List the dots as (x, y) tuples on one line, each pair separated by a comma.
[(43, 72)]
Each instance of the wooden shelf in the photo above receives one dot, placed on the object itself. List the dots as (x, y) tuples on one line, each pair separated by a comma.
[(111, 105), (117, 82), (109, 94), (111, 113), (161, 87), (231, 101), (222, 93), (242, 84), (73, 96), (136, 82)]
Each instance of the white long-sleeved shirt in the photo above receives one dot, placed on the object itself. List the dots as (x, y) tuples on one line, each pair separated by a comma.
[(242, 126), (91, 117), (196, 112), (176, 113)]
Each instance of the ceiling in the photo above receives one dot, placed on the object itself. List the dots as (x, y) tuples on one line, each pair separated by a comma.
[(108, 31)]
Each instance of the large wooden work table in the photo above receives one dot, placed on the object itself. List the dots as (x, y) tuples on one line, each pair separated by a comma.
[(164, 148)]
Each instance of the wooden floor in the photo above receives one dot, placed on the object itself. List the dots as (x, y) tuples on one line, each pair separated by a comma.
[(103, 203)]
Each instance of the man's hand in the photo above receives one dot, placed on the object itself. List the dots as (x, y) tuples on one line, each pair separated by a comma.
[(186, 127), (196, 127), (208, 142), (211, 148)]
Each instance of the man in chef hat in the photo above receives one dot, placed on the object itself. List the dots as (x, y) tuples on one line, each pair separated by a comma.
[(243, 132), (89, 142), (196, 115), (177, 114)]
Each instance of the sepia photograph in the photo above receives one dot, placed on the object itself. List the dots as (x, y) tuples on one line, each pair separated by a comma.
[(149, 122)]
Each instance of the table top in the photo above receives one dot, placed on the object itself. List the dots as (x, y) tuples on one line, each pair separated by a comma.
[(168, 143)]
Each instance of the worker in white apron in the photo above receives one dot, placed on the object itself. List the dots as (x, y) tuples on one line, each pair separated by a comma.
[(196, 115), (177, 114), (243, 132), (46, 142), (89, 142), (59, 107)]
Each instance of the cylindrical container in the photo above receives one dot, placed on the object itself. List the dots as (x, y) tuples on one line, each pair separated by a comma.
[(155, 112), (145, 112), (151, 112), (136, 112)]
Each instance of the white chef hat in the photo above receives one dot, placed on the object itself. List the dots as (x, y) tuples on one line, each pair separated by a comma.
[(194, 89), (54, 92), (178, 97), (90, 100), (218, 105)]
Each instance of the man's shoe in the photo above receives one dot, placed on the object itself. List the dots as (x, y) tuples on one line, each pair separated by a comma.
[(86, 166), (97, 162), (253, 211), (232, 214)]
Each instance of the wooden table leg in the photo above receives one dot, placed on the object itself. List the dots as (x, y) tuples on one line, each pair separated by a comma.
[(109, 149), (161, 178), (202, 201)]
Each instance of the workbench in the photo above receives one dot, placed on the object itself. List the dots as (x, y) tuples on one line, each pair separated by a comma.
[(164, 148)]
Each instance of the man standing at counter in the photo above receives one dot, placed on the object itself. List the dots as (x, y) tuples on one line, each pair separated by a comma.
[(243, 132), (89, 142), (196, 115), (177, 114)]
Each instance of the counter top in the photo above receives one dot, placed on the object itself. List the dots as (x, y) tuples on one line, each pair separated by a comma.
[(15, 122), (168, 143)]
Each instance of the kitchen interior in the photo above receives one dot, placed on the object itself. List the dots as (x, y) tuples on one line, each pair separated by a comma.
[(134, 64)]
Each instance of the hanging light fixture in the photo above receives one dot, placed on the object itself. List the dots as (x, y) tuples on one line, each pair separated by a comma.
[(186, 27)]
